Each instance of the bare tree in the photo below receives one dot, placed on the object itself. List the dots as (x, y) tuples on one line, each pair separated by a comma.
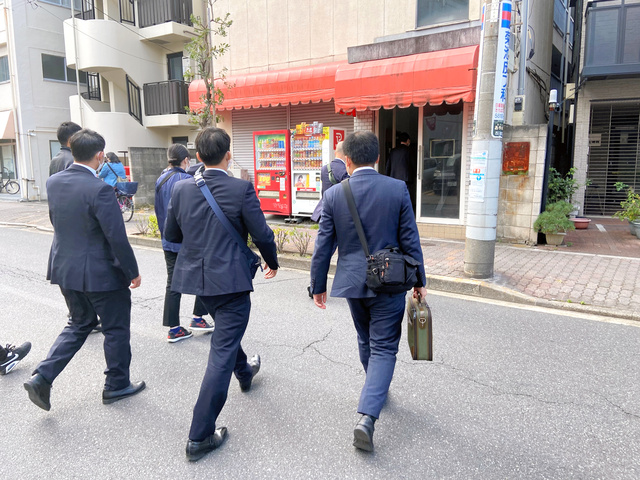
[(203, 52)]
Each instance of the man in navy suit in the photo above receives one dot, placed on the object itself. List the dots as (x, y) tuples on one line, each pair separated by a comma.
[(212, 266), (339, 171), (384, 207), (92, 262)]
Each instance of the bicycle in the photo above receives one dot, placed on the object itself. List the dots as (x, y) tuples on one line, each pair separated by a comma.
[(125, 202), (10, 186)]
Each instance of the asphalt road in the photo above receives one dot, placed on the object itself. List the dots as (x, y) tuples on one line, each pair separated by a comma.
[(512, 392)]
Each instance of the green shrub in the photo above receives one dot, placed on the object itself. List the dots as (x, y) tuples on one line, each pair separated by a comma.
[(154, 231), (280, 237), (301, 240), (554, 219), (630, 206)]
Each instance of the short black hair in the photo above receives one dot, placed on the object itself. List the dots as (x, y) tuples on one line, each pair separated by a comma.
[(212, 143), (66, 131), (403, 137), (85, 144), (176, 154), (113, 158), (362, 148)]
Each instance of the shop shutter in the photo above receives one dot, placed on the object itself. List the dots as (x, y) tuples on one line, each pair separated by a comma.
[(323, 112), (613, 155), (245, 122)]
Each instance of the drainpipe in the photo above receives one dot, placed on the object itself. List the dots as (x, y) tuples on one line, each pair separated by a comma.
[(524, 32), (75, 48)]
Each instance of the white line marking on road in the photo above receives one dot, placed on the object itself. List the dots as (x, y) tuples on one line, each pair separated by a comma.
[(601, 228)]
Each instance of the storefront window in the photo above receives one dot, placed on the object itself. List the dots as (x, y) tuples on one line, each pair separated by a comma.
[(8, 161), (442, 159)]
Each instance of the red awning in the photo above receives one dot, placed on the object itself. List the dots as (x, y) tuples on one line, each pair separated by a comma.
[(292, 86), (435, 77)]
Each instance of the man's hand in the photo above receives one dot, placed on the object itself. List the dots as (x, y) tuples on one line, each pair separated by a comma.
[(320, 299), (419, 292), (135, 283), (268, 272)]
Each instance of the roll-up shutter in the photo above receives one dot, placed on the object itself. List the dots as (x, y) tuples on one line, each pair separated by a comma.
[(245, 122), (614, 155), (323, 112)]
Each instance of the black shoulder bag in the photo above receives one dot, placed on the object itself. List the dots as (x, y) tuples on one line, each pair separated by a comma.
[(388, 270), (253, 260)]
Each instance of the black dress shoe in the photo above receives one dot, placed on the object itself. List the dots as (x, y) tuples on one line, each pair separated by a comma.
[(110, 396), (254, 363), (39, 391), (363, 433), (197, 450)]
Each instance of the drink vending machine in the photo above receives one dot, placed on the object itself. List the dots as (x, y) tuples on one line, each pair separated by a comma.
[(273, 171), (312, 146)]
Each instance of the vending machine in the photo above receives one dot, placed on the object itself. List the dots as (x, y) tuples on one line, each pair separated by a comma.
[(312, 146), (273, 171)]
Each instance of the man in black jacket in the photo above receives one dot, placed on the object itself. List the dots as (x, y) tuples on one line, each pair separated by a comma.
[(63, 158), (92, 262), (212, 265)]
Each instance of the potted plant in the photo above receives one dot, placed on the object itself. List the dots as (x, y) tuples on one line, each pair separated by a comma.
[(630, 208), (554, 222), (564, 187)]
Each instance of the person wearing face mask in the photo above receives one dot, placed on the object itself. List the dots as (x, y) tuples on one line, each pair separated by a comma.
[(93, 263), (179, 160), (112, 169)]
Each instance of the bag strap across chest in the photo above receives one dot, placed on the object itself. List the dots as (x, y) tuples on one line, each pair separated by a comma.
[(354, 213)]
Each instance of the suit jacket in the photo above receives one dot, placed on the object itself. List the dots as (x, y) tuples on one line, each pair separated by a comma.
[(339, 169), (90, 250), (210, 261), (61, 161), (398, 163), (384, 207)]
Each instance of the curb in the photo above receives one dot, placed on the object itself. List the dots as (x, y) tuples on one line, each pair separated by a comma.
[(461, 286)]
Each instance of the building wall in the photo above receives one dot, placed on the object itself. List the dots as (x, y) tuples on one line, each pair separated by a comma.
[(42, 104), (277, 34)]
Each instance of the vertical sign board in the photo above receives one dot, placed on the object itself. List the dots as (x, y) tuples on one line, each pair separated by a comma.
[(502, 68), (478, 176), (477, 101)]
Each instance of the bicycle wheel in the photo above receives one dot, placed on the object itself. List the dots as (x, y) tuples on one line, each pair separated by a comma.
[(12, 187), (126, 207)]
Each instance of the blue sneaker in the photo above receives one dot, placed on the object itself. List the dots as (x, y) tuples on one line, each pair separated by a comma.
[(178, 333)]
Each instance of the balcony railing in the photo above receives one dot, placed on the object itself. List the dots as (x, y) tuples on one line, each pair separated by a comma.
[(93, 87), (127, 12), (612, 40), (87, 10), (166, 98), (155, 12), (133, 97)]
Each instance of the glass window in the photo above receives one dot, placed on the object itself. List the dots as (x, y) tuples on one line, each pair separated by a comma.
[(175, 66), (55, 68), (54, 148), (603, 27), (77, 4), (441, 162), (434, 12), (8, 161), (4, 69)]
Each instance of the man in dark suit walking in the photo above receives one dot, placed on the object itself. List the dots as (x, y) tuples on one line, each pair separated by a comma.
[(384, 208), (92, 262), (63, 158), (339, 173), (212, 265)]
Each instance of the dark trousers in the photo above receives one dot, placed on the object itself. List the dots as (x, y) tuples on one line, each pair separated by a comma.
[(114, 309), (171, 314), (378, 322), (3, 353), (225, 357)]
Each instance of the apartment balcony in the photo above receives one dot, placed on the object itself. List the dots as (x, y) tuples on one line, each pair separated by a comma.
[(165, 103), (165, 21), (612, 41)]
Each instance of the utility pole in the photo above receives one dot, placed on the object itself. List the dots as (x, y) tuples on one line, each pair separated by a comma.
[(486, 148)]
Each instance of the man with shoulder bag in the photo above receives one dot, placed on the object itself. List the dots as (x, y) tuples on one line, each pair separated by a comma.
[(211, 216), (374, 284)]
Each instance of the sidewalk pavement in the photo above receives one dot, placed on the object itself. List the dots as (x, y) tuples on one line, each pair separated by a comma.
[(597, 272)]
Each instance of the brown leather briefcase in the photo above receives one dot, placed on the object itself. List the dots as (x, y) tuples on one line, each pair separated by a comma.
[(419, 329)]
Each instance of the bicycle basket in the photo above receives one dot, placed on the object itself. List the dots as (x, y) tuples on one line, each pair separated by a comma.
[(128, 188)]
